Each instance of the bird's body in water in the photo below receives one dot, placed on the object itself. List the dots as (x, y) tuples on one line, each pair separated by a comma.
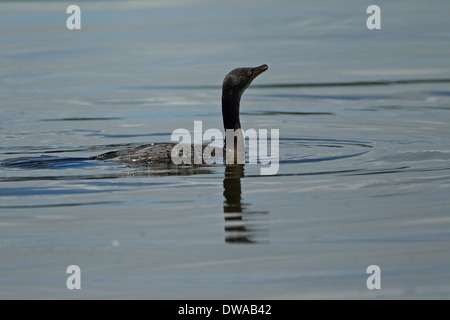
[(160, 154), (147, 153), (233, 87)]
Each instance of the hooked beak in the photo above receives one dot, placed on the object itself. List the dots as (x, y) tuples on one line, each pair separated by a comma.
[(258, 70)]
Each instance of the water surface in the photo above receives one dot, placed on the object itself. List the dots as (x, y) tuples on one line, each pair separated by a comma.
[(364, 173)]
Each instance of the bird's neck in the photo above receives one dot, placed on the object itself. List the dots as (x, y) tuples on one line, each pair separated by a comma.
[(234, 142), (230, 111)]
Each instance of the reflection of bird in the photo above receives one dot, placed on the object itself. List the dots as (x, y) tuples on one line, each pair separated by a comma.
[(232, 206), (233, 87), (239, 226)]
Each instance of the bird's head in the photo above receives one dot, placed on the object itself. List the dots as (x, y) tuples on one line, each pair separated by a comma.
[(239, 79)]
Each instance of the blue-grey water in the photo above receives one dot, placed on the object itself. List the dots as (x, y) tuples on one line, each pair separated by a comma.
[(364, 176)]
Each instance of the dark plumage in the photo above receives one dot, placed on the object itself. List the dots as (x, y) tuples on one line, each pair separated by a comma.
[(233, 87)]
